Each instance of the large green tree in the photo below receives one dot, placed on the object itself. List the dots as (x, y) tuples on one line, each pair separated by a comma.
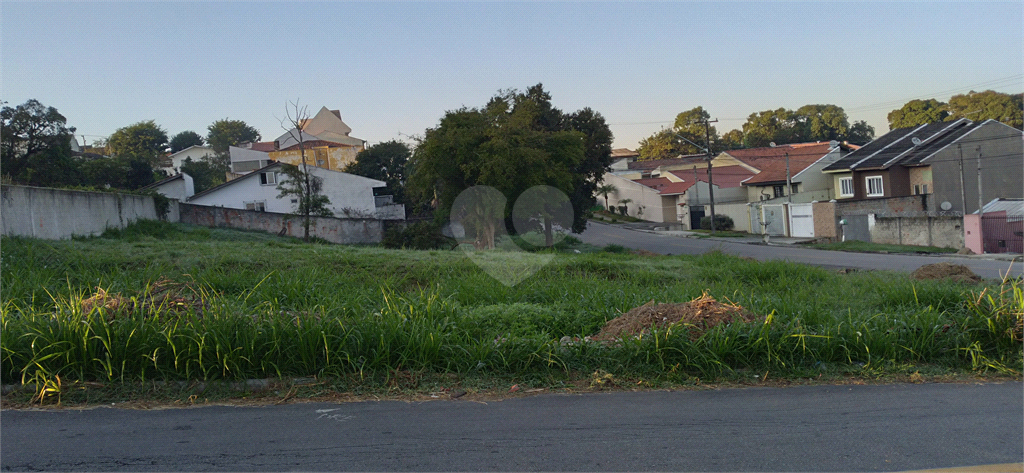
[(145, 141), (385, 162), (916, 113), (185, 140), (518, 140), (770, 126), (687, 136), (860, 133), (821, 123), (222, 134), (35, 148), (988, 105)]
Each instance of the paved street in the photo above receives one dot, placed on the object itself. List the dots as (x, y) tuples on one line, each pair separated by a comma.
[(807, 428), (602, 234)]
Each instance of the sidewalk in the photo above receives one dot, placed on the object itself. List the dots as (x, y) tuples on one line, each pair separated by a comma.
[(675, 229)]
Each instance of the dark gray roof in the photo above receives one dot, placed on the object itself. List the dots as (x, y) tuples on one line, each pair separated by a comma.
[(898, 146)]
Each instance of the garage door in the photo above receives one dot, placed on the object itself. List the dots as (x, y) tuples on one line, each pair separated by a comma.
[(801, 220)]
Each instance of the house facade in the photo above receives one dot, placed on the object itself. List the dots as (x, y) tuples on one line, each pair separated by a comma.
[(172, 164), (959, 164), (350, 195), (325, 142)]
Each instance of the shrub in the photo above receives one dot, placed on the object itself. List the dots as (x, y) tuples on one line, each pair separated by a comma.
[(613, 248), (624, 209), (722, 222), (418, 236)]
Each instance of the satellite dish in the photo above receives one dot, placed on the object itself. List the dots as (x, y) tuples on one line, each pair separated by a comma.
[(945, 205), (833, 144), (772, 144), (915, 140)]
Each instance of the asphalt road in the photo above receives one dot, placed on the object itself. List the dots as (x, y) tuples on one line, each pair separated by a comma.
[(602, 234), (807, 428)]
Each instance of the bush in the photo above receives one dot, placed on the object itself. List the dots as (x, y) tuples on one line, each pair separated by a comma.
[(722, 222), (418, 236), (624, 209), (613, 248)]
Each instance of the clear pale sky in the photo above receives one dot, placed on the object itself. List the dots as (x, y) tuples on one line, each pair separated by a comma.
[(393, 69)]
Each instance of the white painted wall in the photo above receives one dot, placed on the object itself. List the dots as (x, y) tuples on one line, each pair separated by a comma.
[(350, 195), (180, 189), (194, 152)]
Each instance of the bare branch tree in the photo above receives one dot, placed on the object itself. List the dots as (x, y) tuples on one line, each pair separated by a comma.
[(308, 188)]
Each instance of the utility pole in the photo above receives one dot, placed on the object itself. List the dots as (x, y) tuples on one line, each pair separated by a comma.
[(963, 192), (711, 185), (981, 202), (789, 181)]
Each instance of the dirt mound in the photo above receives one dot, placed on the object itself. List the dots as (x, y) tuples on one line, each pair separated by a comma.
[(645, 253), (703, 313), (956, 272)]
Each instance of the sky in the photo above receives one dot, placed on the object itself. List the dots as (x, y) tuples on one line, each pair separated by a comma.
[(393, 69)]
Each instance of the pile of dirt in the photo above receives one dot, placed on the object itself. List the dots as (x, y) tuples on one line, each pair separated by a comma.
[(702, 313), (162, 297), (956, 272)]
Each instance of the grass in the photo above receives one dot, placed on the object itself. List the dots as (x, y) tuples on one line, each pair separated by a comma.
[(868, 247), (360, 318)]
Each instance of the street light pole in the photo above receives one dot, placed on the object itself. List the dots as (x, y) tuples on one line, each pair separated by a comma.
[(711, 186)]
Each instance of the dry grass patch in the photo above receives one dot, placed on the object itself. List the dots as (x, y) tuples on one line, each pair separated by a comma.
[(702, 314)]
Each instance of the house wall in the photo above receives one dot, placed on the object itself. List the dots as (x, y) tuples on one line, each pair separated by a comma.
[(180, 189), (826, 224), (943, 232), (350, 195), (337, 157), (195, 153), (56, 214), (657, 208), (335, 230), (837, 187), (739, 212), (921, 179), (860, 187), (899, 182), (1002, 167)]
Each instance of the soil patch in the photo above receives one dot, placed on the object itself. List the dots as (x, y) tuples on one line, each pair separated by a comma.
[(702, 314), (956, 272), (161, 297)]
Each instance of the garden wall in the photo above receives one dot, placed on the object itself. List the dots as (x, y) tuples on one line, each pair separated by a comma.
[(56, 214), (334, 230), (944, 232)]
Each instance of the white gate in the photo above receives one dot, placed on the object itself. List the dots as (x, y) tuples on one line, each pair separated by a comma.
[(801, 220)]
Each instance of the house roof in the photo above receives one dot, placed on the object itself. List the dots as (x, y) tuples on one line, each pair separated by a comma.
[(156, 184), (1014, 208), (207, 148), (655, 163), (899, 147), (723, 176), (264, 146), (772, 161), (664, 186), (326, 125), (624, 153)]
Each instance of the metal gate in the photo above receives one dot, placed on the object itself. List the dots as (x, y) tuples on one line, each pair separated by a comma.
[(768, 218), (1001, 234), (696, 213), (801, 220), (856, 228)]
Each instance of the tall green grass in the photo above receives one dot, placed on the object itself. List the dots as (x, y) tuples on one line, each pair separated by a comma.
[(271, 307)]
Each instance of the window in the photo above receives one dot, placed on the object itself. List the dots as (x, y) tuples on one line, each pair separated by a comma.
[(874, 185), (917, 189), (792, 188), (926, 188), (779, 191), (268, 178), (259, 206), (846, 187)]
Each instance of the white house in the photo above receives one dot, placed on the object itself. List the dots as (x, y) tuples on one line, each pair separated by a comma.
[(246, 160), (178, 186), (350, 195), (194, 152)]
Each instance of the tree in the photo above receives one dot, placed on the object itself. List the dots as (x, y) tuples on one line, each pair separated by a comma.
[(385, 162), (605, 189), (821, 123), (762, 128), (517, 141), (185, 140), (988, 105), (36, 145), (687, 136), (144, 141), (300, 183), (917, 112), (205, 173), (731, 140), (860, 133), (223, 134)]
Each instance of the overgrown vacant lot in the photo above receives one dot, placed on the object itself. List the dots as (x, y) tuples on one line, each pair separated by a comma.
[(174, 302)]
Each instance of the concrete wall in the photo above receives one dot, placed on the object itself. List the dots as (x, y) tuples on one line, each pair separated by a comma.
[(972, 233), (657, 208), (56, 214), (335, 230), (738, 212), (943, 232)]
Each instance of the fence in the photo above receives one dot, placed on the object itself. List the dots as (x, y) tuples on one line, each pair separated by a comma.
[(335, 230), (56, 214)]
